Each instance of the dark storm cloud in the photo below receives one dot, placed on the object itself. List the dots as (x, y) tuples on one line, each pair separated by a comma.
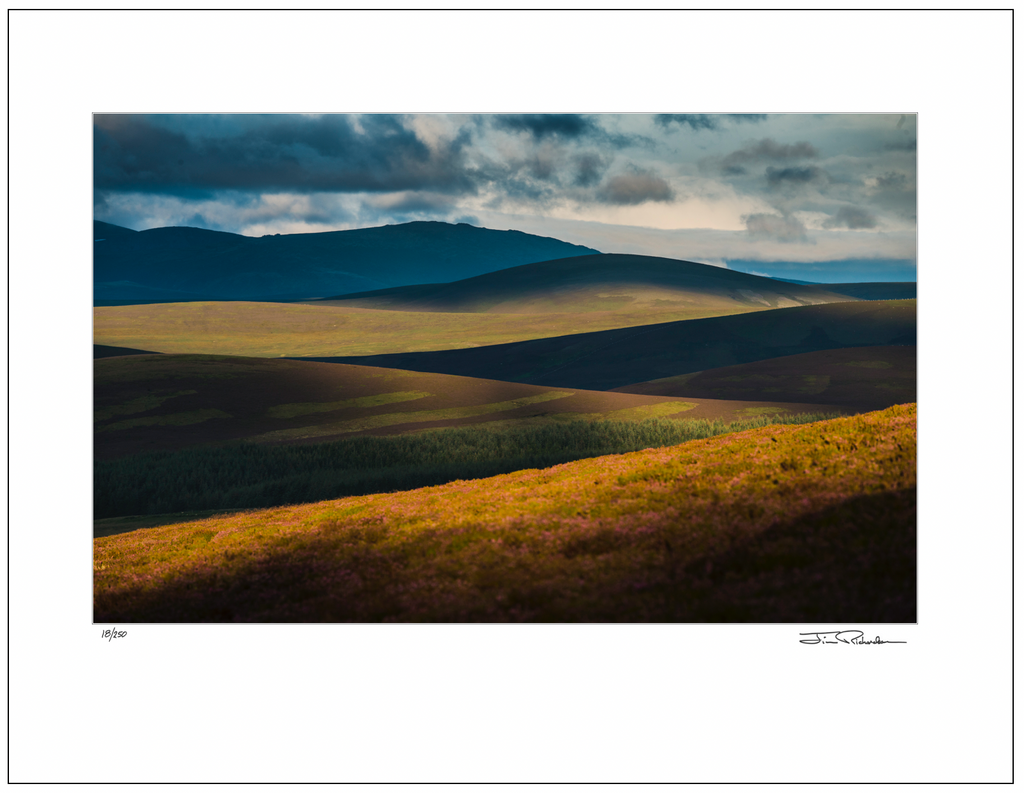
[(780, 227), (767, 150), (795, 175), (286, 153), (634, 188), (697, 121), (567, 127), (548, 125), (851, 218)]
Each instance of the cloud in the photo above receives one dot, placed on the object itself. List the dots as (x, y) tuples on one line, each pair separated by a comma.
[(765, 150), (418, 202), (902, 145), (589, 168), (890, 181), (851, 218), (697, 121), (795, 175), (547, 125), (780, 227), (375, 153), (634, 188)]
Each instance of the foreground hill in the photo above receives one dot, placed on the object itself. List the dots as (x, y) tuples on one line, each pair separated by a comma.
[(601, 282), (181, 263), (614, 358), (858, 378), (815, 523), (149, 403)]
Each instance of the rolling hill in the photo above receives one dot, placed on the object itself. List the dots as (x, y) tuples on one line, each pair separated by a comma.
[(604, 282), (181, 263), (289, 329), (813, 523), (534, 301), (145, 403), (859, 378), (614, 358)]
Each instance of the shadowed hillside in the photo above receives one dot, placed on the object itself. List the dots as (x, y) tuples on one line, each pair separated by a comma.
[(876, 290), (163, 402), (613, 358), (599, 282), (197, 264), (865, 378)]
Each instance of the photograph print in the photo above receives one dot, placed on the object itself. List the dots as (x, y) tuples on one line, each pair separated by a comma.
[(562, 368)]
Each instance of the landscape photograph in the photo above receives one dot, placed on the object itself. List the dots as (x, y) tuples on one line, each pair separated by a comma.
[(511, 367)]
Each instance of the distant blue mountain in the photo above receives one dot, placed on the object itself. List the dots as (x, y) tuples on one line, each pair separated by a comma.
[(181, 263)]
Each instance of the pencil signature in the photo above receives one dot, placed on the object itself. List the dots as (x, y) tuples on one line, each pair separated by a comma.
[(843, 637)]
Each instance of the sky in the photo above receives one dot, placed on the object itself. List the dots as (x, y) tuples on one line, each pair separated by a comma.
[(821, 197)]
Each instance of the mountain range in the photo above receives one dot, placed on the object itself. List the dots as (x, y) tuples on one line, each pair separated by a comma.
[(181, 263)]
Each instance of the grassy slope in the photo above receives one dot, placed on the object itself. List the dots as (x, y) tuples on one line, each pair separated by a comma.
[(280, 329), (163, 402), (614, 358), (869, 378), (808, 523), (626, 283)]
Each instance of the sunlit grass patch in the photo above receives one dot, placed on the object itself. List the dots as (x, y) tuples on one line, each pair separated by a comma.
[(305, 408), (409, 417), (170, 419), (814, 383), (641, 412), (139, 405)]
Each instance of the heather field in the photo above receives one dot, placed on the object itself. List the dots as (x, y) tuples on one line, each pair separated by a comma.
[(808, 523)]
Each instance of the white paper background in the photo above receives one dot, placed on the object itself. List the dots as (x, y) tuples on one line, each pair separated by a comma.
[(515, 703)]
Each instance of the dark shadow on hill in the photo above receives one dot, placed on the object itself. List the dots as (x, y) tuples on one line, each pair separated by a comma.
[(613, 358), (855, 562), (106, 351), (863, 378), (876, 290)]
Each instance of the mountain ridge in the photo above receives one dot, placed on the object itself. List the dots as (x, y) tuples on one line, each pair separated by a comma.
[(218, 265)]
